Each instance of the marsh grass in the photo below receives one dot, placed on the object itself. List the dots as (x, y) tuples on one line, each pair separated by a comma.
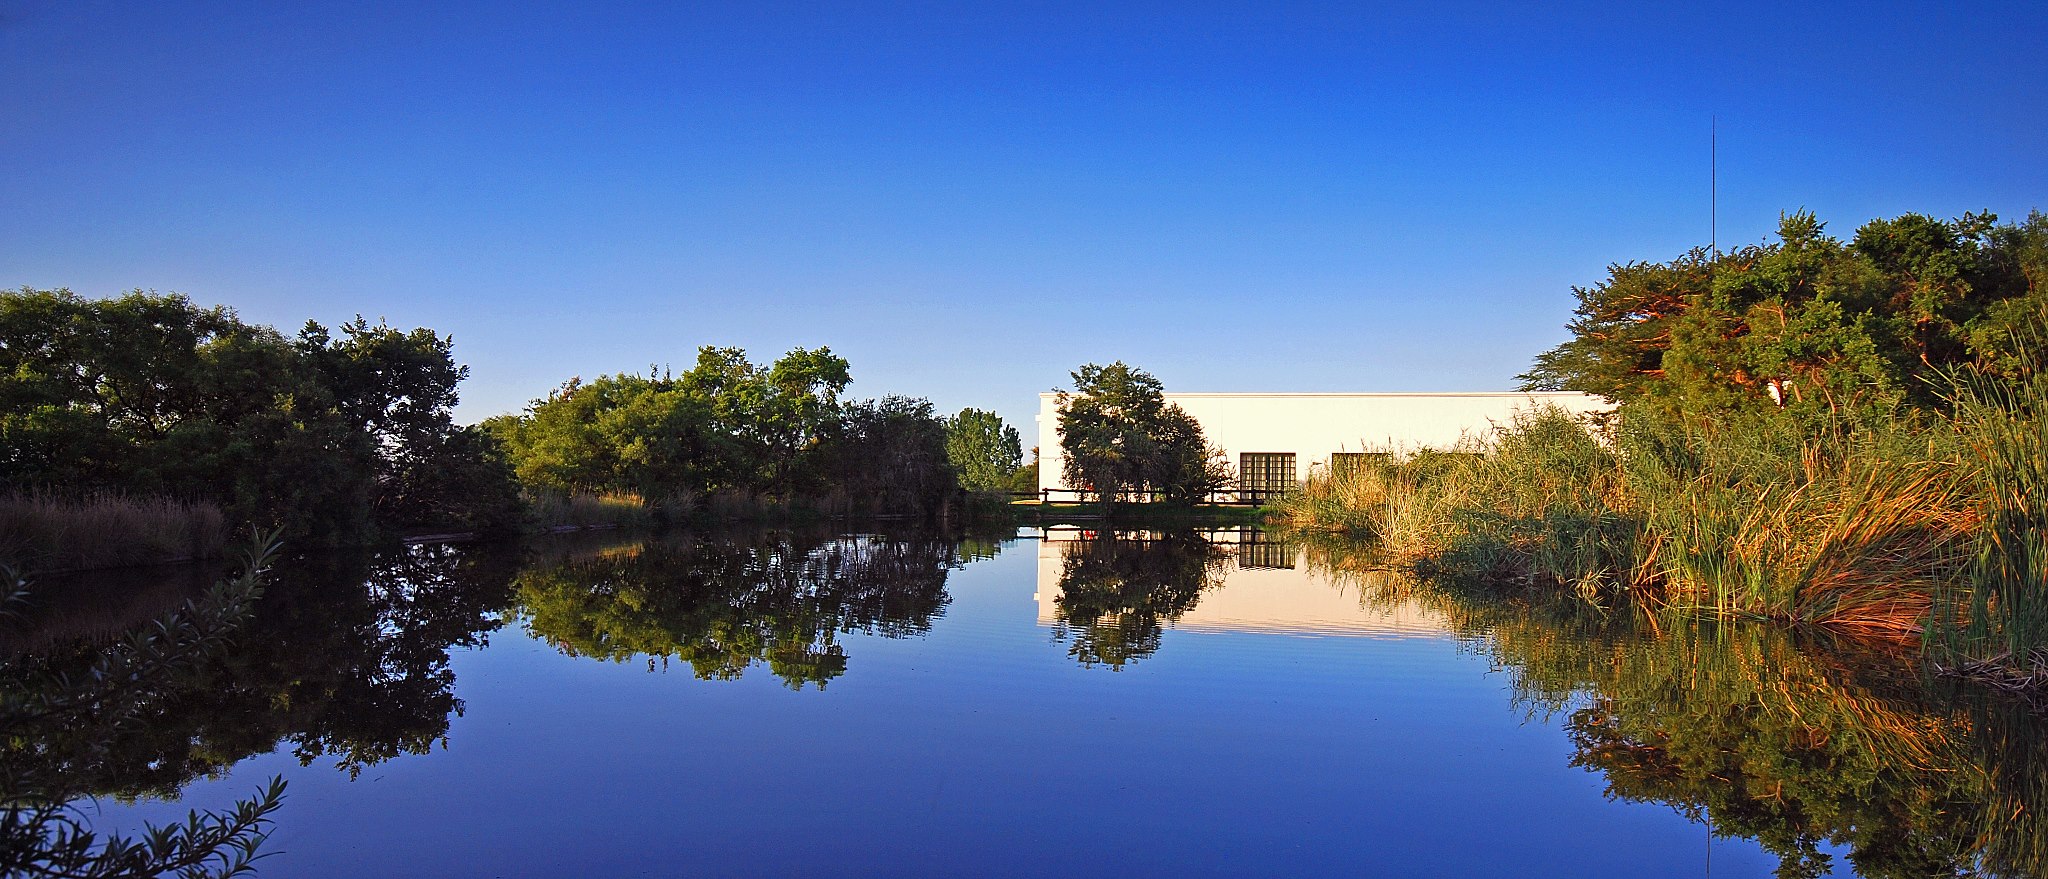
[(1856, 527), (552, 510), (47, 533), (2001, 612)]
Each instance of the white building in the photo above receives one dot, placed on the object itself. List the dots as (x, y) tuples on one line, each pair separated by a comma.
[(1275, 441)]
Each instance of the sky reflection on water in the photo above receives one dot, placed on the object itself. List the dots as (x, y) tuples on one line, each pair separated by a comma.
[(958, 734)]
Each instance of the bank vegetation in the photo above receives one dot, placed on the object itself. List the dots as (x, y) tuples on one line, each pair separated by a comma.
[(1851, 435)]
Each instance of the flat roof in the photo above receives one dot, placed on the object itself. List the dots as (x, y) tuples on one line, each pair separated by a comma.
[(1362, 394)]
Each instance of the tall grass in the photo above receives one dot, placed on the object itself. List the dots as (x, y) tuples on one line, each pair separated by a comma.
[(554, 510), (2003, 612), (43, 533), (1855, 527)]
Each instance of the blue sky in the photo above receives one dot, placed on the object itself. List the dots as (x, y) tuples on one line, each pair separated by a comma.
[(969, 201)]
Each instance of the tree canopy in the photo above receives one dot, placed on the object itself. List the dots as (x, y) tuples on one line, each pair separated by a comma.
[(985, 451), (1808, 321), (332, 435), (730, 425), (1121, 437)]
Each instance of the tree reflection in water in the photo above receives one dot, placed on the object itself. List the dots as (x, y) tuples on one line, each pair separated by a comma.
[(344, 657), (725, 602), (1794, 738), (1119, 590)]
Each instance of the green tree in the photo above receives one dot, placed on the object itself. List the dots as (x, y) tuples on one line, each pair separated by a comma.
[(333, 438), (985, 451), (890, 456), (1121, 437), (1808, 322), (728, 424)]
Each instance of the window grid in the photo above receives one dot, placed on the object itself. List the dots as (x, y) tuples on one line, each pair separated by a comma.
[(1342, 463), (1256, 549), (1269, 473)]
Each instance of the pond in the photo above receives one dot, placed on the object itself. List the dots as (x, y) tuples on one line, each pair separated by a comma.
[(1140, 704)]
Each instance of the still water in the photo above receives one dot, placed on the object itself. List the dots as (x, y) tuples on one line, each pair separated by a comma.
[(1220, 703)]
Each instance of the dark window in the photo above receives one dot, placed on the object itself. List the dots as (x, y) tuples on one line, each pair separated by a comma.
[(1268, 473), (1257, 549), (1343, 463)]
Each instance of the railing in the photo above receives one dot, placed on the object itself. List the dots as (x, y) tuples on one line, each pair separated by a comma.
[(1229, 497)]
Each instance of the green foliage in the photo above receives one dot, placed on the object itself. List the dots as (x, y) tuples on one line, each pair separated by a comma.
[(1808, 322), (333, 438), (986, 452), (1784, 447), (64, 723), (2002, 413), (1788, 737), (1121, 438), (890, 456), (1117, 592), (729, 431), (724, 605)]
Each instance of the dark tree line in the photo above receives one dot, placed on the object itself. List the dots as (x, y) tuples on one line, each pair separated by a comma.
[(780, 432), (333, 435)]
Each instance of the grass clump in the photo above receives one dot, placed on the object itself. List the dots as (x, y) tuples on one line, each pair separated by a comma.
[(1999, 617), (570, 511), (46, 532), (1857, 526)]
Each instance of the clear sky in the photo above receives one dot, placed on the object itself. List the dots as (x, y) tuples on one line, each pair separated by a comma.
[(969, 201)]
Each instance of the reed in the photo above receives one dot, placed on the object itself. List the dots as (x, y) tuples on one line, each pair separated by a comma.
[(2003, 613), (1853, 526), (48, 532), (553, 510)]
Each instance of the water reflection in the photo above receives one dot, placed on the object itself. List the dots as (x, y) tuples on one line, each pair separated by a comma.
[(1111, 595), (1118, 589), (343, 657), (1831, 755), (725, 602), (1798, 740)]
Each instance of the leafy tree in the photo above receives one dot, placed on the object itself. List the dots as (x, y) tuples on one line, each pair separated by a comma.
[(1121, 437), (985, 451), (890, 456), (333, 438), (1808, 322), (728, 424)]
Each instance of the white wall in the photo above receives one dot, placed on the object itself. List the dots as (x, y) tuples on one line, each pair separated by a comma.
[(1314, 425)]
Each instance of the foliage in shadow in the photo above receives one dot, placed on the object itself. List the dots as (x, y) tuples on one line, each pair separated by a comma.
[(1796, 737), (57, 718), (343, 657), (1119, 590), (725, 602)]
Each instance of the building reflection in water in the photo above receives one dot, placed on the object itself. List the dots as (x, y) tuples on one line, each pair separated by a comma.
[(1253, 582)]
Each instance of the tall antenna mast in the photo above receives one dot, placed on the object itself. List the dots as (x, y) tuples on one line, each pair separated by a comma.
[(1714, 184)]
